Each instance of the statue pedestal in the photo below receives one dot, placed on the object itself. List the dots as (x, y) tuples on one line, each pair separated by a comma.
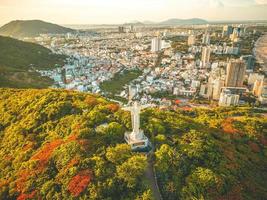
[(140, 143)]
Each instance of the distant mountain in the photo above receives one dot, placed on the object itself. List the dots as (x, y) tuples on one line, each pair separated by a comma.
[(193, 21), (134, 23), (149, 22), (17, 58), (31, 28), (174, 21)]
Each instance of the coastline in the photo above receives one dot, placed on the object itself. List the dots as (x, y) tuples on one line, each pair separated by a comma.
[(260, 51)]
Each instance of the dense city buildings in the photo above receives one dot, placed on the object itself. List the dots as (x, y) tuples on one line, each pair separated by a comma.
[(160, 63)]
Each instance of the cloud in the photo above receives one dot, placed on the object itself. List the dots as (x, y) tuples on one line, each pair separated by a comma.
[(201, 4), (261, 1), (216, 4), (243, 3)]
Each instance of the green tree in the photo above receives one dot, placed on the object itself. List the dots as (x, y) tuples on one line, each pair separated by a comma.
[(132, 170), (119, 154), (199, 183), (165, 158), (147, 195)]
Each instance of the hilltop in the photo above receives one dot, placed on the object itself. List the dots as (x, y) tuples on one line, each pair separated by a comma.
[(31, 28), (18, 57), (66, 144)]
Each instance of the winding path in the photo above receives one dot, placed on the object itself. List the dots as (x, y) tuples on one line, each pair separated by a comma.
[(151, 177)]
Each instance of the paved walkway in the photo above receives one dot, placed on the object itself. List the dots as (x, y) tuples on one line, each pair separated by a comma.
[(150, 175)]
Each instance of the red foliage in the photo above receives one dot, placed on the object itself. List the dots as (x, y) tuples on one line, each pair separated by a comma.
[(27, 196), (187, 108), (92, 101), (177, 101), (113, 107), (8, 158), (4, 182), (72, 138), (44, 155), (254, 147), (227, 126), (79, 182), (73, 162), (23, 177)]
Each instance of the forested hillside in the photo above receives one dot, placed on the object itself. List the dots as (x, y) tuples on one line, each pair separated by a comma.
[(216, 154), (31, 28), (67, 145), (17, 58)]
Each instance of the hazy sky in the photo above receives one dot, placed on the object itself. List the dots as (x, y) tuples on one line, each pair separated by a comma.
[(120, 11)]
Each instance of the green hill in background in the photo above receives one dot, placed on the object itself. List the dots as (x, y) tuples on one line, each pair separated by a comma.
[(18, 57), (31, 28), (57, 144)]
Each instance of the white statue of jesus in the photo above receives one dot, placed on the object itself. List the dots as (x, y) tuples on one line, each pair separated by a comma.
[(135, 110)]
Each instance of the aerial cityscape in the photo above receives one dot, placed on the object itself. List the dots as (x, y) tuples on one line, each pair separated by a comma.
[(133, 100), (207, 62)]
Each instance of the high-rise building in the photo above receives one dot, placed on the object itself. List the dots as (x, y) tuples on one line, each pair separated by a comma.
[(121, 29), (203, 90), (227, 30), (253, 77), (206, 38), (250, 62), (214, 87), (232, 50), (235, 73), (260, 87), (205, 56), (156, 44), (234, 36), (131, 28), (191, 40), (217, 87), (228, 99), (256, 87)]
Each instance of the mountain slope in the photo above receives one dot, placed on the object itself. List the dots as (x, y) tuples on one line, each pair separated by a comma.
[(57, 144), (65, 145), (18, 57), (31, 28)]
